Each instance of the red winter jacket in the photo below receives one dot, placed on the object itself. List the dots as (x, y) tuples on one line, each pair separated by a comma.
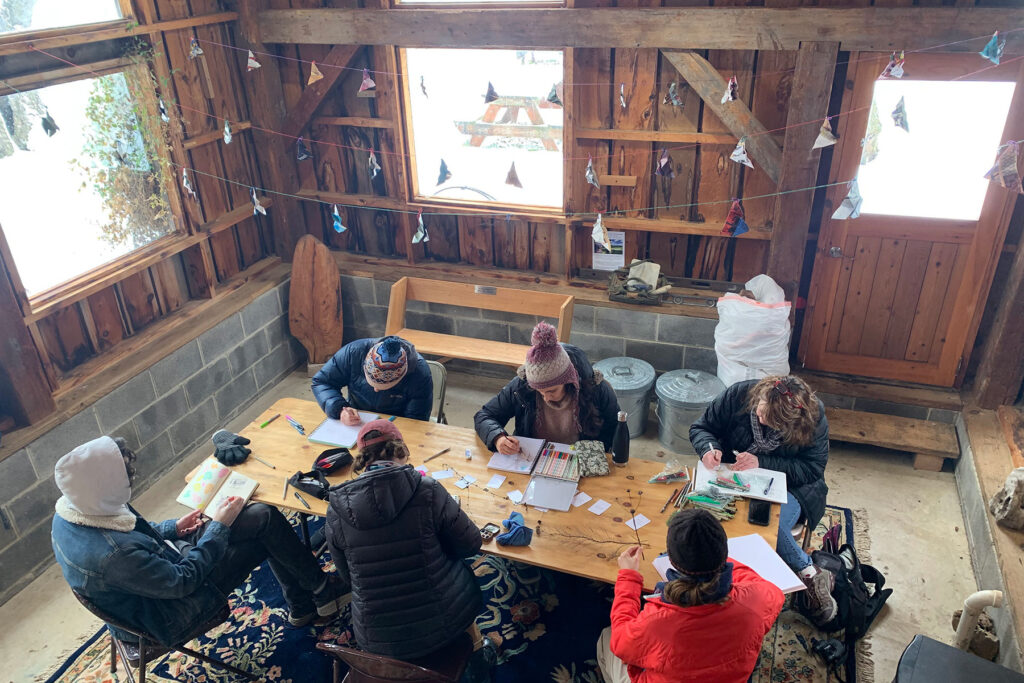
[(717, 643)]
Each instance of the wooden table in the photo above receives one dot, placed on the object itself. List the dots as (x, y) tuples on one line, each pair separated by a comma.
[(576, 542)]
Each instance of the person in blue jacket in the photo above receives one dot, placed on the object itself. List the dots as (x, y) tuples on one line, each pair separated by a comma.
[(382, 375)]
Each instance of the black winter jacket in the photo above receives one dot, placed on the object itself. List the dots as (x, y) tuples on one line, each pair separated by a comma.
[(725, 425), (597, 416), (399, 539)]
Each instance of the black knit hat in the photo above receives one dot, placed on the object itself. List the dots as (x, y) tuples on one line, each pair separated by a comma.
[(697, 543)]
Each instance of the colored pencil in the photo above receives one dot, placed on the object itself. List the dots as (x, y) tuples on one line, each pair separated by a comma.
[(675, 492), (270, 420), (256, 457)]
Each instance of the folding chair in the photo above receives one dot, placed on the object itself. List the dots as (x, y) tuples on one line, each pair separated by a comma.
[(439, 375), (444, 666)]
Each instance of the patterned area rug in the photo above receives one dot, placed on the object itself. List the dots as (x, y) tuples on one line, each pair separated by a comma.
[(546, 624)]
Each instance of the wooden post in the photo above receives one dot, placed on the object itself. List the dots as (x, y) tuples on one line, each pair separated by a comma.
[(19, 361)]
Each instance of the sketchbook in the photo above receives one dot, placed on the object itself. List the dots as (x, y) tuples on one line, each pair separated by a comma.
[(333, 432), (521, 462), (764, 484), (214, 482), (754, 552)]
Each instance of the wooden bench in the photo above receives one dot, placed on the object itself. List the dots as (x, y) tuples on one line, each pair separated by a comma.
[(526, 302), (930, 442)]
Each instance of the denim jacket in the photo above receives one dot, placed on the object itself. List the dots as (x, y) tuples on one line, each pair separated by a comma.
[(136, 579)]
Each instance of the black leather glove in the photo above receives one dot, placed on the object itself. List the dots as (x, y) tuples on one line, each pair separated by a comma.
[(230, 448)]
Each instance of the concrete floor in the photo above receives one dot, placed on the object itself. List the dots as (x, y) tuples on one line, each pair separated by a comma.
[(915, 532)]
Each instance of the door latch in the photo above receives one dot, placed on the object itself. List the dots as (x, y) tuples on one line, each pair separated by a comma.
[(835, 252)]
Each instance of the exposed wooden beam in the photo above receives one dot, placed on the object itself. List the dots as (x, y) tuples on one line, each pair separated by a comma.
[(655, 136), (370, 201), (20, 367), (334, 65), (61, 75), (677, 227), (736, 115), (747, 28), (233, 217), (211, 136), (357, 121)]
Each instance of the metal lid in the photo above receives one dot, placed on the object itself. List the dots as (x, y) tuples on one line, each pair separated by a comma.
[(688, 388), (626, 374)]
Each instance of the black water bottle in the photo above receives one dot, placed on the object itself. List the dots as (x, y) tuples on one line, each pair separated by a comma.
[(620, 443)]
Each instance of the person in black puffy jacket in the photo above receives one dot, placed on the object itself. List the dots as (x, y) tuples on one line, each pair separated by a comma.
[(556, 395), (400, 540)]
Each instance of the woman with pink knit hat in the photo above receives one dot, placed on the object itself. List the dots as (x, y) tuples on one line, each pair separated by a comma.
[(556, 395)]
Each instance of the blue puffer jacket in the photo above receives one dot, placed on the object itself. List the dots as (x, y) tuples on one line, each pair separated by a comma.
[(412, 397)]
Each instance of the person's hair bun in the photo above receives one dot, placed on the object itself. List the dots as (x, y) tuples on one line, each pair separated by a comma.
[(544, 335)]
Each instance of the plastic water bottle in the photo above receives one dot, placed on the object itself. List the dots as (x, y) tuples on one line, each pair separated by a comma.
[(620, 443)]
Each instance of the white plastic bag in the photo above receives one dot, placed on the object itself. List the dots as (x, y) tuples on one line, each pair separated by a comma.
[(752, 337)]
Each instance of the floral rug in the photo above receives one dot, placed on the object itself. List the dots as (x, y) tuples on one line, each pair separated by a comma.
[(546, 625)]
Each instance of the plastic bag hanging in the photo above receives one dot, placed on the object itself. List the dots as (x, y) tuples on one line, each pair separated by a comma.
[(188, 185), (314, 74), (339, 227), (894, 69), (443, 175), (994, 48), (374, 166), (301, 151), (850, 206), (491, 94), (600, 235), (1005, 172), (513, 178), (368, 83), (672, 96), (256, 206), (731, 89), (826, 138), (227, 132), (739, 155), (163, 111), (664, 167), (735, 224), (193, 49), (421, 230), (50, 126), (251, 63), (899, 116), (622, 95), (591, 175), (554, 96)]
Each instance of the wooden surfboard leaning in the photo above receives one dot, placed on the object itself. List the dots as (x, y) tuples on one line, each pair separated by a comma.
[(314, 305)]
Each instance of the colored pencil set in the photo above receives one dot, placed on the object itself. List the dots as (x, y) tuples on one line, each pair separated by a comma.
[(558, 464)]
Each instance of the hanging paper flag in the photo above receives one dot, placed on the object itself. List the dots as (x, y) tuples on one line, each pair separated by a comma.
[(664, 167), (739, 155), (894, 69), (301, 151), (423, 87), (421, 230), (163, 112), (491, 94), (256, 206), (187, 185), (367, 83), (591, 175), (227, 132), (513, 178), (850, 206), (193, 49), (251, 63), (374, 166), (735, 225), (730, 90), (553, 95), (899, 116), (672, 97), (339, 227), (444, 174), (826, 138), (994, 48), (49, 125), (600, 235), (314, 74), (622, 95), (1004, 172)]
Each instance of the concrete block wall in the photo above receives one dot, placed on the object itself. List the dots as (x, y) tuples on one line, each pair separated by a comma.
[(163, 414)]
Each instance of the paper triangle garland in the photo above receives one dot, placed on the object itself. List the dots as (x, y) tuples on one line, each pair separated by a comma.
[(994, 48), (227, 132), (513, 178), (553, 96), (826, 138), (421, 230), (444, 174), (301, 151), (193, 49), (423, 87), (367, 83), (374, 166), (739, 155), (850, 206), (187, 185), (1005, 172), (314, 74), (251, 63), (894, 69), (899, 116), (600, 235), (49, 125), (591, 175), (622, 95), (256, 206), (672, 96), (730, 90), (664, 167), (735, 224), (491, 94), (339, 227)]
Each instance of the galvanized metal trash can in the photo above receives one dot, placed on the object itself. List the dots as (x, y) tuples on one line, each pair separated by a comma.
[(632, 379), (682, 397)]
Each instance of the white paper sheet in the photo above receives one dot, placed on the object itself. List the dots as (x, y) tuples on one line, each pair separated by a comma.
[(335, 433), (462, 483), (422, 469), (638, 522), (496, 481), (516, 496), (754, 552), (580, 499), (443, 474), (776, 493), (599, 507), (546, 492), (521, 462)]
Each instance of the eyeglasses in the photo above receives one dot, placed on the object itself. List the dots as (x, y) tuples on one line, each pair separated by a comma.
[(782, 388)]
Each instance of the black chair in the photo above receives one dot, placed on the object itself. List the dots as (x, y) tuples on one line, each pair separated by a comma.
[(147, 649), (443, 666), (928, 661)]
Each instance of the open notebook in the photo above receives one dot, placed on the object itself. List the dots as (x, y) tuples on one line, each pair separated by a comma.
[(764, 484), (214, 482), (333, 432), (754, 552)]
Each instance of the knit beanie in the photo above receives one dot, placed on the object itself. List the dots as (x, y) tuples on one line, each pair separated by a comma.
[(697, 543), (388, 432), (386, 363), (547, 363)]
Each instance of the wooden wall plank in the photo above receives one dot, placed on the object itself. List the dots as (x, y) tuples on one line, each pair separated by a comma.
[(908, 293), (476, 242), (170, 284), (936, 279), (862, 276), (842, 287), (65, 338), (883, 293), (391, 141), (511, 244), (444, 237), (140, 300), (938, 338), (27, 387), (106, 316)]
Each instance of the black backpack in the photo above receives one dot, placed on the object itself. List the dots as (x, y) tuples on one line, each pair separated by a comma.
[(859, 603)]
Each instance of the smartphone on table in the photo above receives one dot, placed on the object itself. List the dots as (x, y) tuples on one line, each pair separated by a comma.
[(759, 512)]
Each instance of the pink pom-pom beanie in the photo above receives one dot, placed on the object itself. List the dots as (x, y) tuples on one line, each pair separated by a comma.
[(547, 363)]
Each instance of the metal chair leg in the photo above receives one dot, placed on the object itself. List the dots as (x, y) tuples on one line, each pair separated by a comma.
[(218, 663), (142, 660), (336, 668), (113, 655)]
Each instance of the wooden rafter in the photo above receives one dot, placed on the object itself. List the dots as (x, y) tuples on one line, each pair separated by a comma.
[(313, 95), (736, 115)]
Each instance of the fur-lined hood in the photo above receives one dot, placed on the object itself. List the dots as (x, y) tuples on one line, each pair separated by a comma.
[(95, 485), (120, 522)]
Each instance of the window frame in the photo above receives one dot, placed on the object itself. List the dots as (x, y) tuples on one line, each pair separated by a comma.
[(500, 4)]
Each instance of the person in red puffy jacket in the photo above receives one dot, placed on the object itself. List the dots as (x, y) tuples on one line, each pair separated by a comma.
[(708, 623)]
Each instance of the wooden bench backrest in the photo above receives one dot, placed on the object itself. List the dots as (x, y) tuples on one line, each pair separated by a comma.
[(523, 301)]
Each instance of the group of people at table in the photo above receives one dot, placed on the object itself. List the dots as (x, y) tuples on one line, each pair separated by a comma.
[(400, 542)]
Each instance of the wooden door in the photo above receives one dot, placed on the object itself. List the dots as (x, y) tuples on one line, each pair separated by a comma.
[(898, 292)]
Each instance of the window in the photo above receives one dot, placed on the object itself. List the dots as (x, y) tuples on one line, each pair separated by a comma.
[(90, 193), (450, 120), (33, 15), (937, 169)]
